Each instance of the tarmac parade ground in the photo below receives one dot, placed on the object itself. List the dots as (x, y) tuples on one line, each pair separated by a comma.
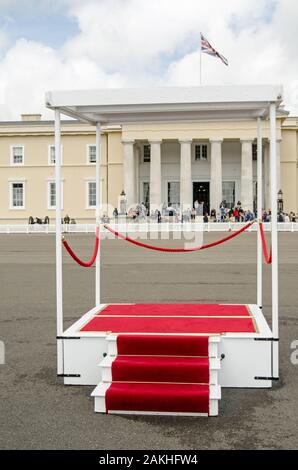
[(38, 412)]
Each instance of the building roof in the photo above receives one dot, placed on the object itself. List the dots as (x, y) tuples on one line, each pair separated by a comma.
[(120, 106)]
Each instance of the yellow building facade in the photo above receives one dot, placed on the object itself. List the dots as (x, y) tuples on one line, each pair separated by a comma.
[(166, 164)]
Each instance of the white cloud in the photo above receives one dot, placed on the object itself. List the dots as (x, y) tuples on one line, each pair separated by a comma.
[(141, 42)]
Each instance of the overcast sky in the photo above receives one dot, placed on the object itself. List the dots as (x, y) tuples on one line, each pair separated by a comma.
[(63, 44)]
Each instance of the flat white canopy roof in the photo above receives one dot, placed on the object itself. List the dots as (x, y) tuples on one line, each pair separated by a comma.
[(120, 106)]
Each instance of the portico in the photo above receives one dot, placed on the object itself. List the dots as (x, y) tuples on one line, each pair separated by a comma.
[(167, 171)]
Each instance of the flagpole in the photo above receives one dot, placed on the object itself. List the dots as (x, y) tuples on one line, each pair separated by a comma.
[(208, 49)]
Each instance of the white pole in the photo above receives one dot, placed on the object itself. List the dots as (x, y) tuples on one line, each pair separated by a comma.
[(97, 210), (200, 59), (59, 286), (259, 211), (274, 241)]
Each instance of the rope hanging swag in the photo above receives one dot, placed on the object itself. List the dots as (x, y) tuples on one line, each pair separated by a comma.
[(87, 264), (268, 257), (178, 250)]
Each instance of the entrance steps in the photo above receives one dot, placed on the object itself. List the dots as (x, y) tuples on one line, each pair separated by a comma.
[(160, 374)]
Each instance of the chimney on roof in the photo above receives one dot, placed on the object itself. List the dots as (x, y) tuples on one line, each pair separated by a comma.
[(31, 117)]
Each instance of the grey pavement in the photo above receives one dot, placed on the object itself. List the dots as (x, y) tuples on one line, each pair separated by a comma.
[(38, 412)]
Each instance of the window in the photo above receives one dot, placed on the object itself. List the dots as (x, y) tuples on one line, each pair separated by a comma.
[(255, 196), (173, 193), (52, 195), (146, 194), (52, 159), (52, 156), (91, 194), (146, 153), (254, 152), (201, 152), (17, 155), (91, 154), (228, 193), (17, 195)]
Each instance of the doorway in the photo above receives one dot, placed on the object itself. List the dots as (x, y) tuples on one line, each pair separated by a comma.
[(201, 194)]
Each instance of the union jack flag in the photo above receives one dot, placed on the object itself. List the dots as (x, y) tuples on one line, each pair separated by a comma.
[(208, 49)]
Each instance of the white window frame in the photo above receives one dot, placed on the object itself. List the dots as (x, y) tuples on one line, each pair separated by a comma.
[(49, 182), (171, 181), (143, 154), (12, 163), (229, 181), (254, 152), (88, 154), (194, 151), (11, 206), (142, 190), (87, 194), (49, 154)]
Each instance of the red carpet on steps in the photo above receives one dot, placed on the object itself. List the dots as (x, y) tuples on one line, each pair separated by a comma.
[(173, 310), (158, 397), (172, 325), (147, 345), (160, 373), (161, 369)]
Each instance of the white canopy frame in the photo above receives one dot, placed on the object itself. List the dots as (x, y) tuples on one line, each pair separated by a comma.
[(113, 106)]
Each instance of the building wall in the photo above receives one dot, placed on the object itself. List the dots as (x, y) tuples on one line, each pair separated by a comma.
[(36, 172), (197, 130), (289, 164), (289, 170), (114, 170)]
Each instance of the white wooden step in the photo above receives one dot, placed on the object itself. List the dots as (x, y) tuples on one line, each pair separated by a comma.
[(100, 405), (213, 345), (106, 369)]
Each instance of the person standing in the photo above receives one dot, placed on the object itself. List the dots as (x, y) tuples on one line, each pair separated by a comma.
[(196, 206), (222, 212)]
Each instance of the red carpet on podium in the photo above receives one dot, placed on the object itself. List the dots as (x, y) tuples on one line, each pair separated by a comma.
[(173, 310), (172, 319), (170, 325)]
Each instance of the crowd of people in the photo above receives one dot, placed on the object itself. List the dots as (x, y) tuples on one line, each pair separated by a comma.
[(200, 211)]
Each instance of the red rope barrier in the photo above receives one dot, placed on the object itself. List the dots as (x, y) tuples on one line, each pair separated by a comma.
[(177, 250), (87, 264), (268, 258)]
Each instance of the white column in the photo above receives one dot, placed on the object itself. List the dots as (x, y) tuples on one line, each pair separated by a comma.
[(155, 175), (267, 172), (98, 210), (216, 174), (246, 175), (278, 176), (267, 176), (129, 172), (137, 172), (274, 240), (259, 211), (186, 192), (59, 285)]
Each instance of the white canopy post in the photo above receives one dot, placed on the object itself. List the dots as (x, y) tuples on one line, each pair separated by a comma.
[(59, 287), (97, 210), (259, 211), (274, 242)]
